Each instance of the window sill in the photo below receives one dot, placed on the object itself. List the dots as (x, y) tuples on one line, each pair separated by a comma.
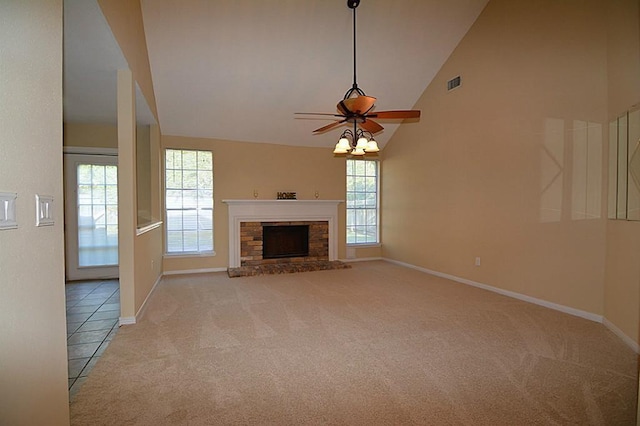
[(364, 245), (147, 228), (192, 254)]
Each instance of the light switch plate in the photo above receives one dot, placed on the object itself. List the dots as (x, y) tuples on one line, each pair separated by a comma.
[(8, 210), (44, 210)]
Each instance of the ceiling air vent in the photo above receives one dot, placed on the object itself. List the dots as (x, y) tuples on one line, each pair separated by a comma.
[(453, 83)]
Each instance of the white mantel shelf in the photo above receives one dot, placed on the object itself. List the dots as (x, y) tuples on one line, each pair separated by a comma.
[(280, 211)]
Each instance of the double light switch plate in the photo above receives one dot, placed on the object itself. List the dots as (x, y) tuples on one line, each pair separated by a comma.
[(8, 219)]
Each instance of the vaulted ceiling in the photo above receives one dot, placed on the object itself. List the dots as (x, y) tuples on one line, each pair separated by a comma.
[(239, 69)]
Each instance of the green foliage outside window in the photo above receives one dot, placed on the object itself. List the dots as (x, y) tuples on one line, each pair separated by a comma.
[(362, 201)]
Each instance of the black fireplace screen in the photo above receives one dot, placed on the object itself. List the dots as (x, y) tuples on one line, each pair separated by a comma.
[(285, 241)]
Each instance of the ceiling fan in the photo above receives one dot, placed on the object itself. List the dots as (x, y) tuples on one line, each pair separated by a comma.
[(356, 107)]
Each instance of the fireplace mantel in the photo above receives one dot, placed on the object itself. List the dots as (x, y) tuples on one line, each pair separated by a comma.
[(280, 211)]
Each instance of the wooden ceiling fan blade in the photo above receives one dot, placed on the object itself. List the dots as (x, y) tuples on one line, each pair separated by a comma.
[(371, 126), (359, 104), (396, 114), (329, 126), (319, 113)]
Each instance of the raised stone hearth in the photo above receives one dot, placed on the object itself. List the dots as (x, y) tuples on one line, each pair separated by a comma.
[(286, 268)]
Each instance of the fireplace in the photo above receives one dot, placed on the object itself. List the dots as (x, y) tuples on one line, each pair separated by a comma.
[(247, 217), (263, 243), (285, 241)]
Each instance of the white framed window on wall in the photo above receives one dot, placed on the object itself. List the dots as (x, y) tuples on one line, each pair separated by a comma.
[(188, 201), (363, 218)]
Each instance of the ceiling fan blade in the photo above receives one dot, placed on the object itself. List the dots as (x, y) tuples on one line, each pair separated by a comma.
[(371, 126), (396, 114), (318, 113), (329, 126), (359, 104)]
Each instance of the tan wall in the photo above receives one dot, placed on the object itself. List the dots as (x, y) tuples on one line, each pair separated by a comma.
[(242, 168), (140, 270), (148, 246), (140, 255), (622, 286), (127, 217), (364, 253), (33, 353), (509, 167), (125, 19), (91, 135), (148, 265)]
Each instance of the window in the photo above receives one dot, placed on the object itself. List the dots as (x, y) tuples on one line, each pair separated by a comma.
[(97, 189), (189, 201), (362, 201)]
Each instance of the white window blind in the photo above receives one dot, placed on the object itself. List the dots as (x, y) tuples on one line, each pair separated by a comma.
[(362, 202), (189, 201)]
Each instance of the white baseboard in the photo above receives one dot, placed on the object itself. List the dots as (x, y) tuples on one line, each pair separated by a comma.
[(126, 321), (566, 309), (615, 330), (144, 304), (360, 259), (194, 271), (134, 319), (555, 306)]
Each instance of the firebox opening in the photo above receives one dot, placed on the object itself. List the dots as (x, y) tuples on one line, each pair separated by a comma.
[(285, 241)]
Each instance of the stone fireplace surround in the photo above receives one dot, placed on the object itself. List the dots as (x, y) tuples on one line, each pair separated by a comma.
[(281, 211), (251, 242)]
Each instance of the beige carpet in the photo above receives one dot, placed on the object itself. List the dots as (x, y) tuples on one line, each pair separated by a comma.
[(377, 344)]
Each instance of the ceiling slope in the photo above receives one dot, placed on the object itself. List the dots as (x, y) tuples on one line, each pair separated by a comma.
[(239, 69)]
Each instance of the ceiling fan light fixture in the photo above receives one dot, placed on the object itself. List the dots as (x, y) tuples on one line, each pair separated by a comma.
[(357, 109), (342, 147), (362, 143), (357, 143), (372, 146), (339, 151), (343, 143)]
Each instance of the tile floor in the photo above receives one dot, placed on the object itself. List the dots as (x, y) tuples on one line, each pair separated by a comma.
[(93, 309)]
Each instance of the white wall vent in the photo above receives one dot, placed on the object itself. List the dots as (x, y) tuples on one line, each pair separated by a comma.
[(453, 83)]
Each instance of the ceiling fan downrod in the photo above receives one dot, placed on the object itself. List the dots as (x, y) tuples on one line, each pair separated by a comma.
[(353, 4), (355, 108)]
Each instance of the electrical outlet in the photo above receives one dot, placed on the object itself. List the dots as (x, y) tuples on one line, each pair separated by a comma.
[(477, 261)]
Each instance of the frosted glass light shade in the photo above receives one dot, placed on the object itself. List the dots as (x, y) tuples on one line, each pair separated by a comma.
[(357, 151), (372, 146), (342, 147), (339, 150), (362, 143), (343, 143)]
